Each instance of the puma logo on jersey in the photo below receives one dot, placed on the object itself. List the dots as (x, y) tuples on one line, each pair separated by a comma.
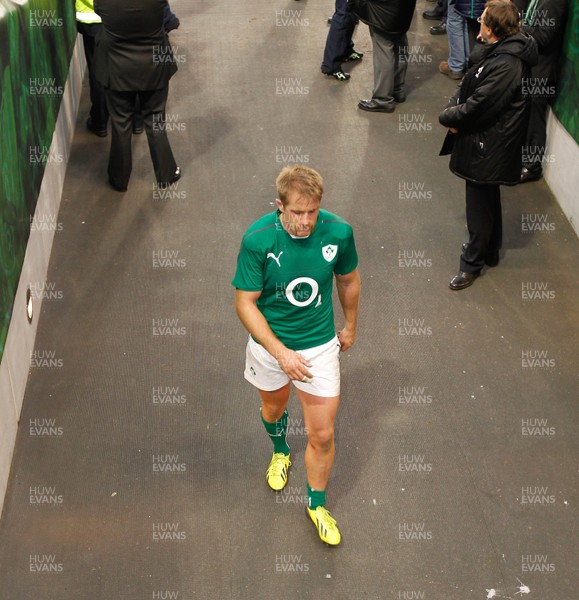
[(276, 258)]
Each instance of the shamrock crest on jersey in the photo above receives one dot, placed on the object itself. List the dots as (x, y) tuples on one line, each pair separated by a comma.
[(329, 252)]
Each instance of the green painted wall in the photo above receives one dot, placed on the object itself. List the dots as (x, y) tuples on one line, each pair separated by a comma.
[(36, 44), (566, 106)]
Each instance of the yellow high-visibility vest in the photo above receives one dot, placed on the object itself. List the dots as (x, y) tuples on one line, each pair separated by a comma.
[(85, 12)]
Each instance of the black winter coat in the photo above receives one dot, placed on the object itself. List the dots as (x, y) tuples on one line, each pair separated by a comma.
[(389, 16), (490, 113)]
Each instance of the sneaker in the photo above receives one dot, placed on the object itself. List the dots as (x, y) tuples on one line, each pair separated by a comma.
[(277, 472), (339, 75), (325, 524), (446, 70), (353, 56)]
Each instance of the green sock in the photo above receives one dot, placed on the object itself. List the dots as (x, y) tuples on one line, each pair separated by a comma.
[(276, 432), (316, 498)]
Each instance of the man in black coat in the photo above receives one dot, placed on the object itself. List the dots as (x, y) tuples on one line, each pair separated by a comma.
[(389, 20), (488, 116), (134, 62)]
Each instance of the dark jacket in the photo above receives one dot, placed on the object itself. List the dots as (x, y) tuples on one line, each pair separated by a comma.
[(389, 16), (132, 52), (469, 9), (490, 113), (545, 20)]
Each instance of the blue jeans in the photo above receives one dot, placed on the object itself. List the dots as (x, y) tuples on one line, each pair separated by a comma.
[(458, 45), (339, 44)]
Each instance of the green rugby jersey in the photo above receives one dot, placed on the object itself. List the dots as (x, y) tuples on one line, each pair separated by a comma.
[(295, 276)]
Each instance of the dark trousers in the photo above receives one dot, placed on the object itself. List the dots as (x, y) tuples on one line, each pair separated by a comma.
[(534, 149), (442, 8), (99, 114), (390, 62), (339, 44), (122, 108), (485, 226)]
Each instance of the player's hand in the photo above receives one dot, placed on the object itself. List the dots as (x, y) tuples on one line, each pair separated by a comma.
[(294, 365), (346, 338)]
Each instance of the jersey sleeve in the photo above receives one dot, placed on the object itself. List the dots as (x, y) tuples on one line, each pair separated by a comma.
[(348, 256), (249, 272)]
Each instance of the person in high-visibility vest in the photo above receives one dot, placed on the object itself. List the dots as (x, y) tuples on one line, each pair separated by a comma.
[(88, 24)]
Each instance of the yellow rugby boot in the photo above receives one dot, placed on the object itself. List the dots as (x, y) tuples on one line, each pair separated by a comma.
[(277, 472), (325, 524)]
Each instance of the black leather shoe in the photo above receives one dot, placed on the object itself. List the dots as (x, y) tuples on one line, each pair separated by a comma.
[(462, 280), (438, 29), (400, 98), (491, 260), (373, 106), (174, 179), (527, 175), (116, 187), (100, 132), (432, 15)]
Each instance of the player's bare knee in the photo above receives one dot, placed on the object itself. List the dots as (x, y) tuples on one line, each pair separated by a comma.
[(322, 439)]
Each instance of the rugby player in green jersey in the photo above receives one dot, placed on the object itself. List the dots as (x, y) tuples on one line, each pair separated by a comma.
[(285, 271)]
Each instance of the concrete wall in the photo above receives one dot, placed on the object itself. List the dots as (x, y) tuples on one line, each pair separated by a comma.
[(21, 334), (562, 172)]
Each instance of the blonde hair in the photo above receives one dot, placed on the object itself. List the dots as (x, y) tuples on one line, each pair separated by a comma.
[(304, 180)]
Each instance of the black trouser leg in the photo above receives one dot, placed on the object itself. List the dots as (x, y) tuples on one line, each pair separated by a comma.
[(485, 225), (121, 108), (496, 238), (153, 113), (534, 150), (98, 111)]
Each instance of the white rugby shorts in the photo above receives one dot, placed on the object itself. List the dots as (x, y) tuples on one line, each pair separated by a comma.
[(263, 371)]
